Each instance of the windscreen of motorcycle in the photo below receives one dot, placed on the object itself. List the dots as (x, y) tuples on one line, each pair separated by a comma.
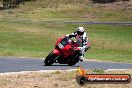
[(60, 46), (63, 43)]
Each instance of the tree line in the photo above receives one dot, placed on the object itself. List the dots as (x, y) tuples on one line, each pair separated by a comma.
[(11, 3), (15, 3), (106, 1)]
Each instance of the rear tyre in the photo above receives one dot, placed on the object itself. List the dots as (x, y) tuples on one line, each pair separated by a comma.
[(74, 59), (72, 62), (50, 59)]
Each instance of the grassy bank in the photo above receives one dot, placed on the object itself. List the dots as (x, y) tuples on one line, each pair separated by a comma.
[(37, 39), (82, 10)]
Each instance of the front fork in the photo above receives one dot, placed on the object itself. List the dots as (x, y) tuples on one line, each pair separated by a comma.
[(57, 59)]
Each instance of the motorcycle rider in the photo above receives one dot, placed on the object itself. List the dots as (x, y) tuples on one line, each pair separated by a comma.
[(82, 41)]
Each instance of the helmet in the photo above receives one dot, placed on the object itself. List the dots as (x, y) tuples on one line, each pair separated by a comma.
[(80, 30)]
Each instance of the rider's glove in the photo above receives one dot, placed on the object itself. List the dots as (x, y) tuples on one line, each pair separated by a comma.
[(81, 48), (67, 35)]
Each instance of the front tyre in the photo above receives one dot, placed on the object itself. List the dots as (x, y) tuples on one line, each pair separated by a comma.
[(50, 59)]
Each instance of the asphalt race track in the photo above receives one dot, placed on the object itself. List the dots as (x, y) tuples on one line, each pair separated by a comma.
[(13, 64)]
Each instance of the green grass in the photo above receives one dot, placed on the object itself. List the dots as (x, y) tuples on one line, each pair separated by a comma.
[(37, 39), (115, 42), (98, 71)]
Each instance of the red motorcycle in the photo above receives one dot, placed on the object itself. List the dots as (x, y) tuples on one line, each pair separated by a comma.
[(66, 51)]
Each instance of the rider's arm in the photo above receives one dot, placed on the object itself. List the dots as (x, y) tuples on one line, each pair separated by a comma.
[(71, 35)]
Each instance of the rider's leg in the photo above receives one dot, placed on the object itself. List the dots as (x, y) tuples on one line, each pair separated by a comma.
[(81, 55)]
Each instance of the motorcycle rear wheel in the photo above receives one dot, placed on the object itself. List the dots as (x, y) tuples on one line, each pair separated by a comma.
[(72, 62)]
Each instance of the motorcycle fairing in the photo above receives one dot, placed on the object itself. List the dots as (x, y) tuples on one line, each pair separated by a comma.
[(56, 51)]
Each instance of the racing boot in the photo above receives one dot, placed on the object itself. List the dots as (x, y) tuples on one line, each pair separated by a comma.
[(81, 58)]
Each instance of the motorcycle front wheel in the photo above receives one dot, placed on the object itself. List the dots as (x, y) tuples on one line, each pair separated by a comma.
[(50, 59)]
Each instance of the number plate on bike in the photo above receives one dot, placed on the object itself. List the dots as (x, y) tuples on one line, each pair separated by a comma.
[(60, 46)]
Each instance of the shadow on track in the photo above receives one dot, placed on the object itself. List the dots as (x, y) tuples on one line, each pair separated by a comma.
[(64, 65)]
